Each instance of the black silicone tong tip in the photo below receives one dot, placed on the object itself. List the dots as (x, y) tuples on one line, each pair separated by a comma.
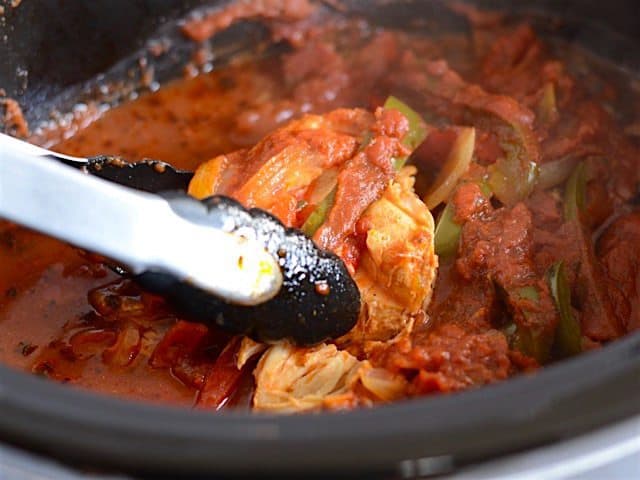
[(318, 300), (151, 176)]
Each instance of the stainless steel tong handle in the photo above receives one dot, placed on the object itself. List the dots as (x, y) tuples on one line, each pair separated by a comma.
[(139, 230)]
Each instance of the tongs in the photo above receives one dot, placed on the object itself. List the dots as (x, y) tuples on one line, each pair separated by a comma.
[(217, 261)]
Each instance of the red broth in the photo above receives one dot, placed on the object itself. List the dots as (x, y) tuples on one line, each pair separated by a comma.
[(66, 316)]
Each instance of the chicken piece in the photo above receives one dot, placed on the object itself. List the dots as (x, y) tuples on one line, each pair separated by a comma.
[(277, 172), (290, 379), (398, 267)]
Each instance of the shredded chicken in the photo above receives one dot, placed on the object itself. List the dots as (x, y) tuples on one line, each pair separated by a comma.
[(290, 379), (398, 266)]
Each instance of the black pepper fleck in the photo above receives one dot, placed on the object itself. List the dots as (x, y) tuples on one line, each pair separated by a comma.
[(26, 348)]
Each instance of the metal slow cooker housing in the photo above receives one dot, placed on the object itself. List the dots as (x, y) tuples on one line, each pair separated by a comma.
[(64, 44)]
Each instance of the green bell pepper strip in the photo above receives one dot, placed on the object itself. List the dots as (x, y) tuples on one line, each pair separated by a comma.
[(317, 217), (446, 237), (589, 280), (529, 293), (531, 343), (414, 137), (567, 339), (528, 340), (417, 128), (575, 193), (568, 333)]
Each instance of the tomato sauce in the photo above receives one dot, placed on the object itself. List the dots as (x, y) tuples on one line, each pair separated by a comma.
[(65, 316)]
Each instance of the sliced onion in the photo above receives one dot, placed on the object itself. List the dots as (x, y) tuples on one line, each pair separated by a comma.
[(323, 186), (456, 165), (126, 348), (384, 384), (248, 349), (548, 105), (88, 343), (555, 173)]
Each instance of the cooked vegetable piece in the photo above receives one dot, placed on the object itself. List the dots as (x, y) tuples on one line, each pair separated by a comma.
[(417, 128), (485, 188), (437, 79), (223, 378), (182, 340), (322, 196), (528, 333), (548, 105), (529, 293), (399, 162), (317, 217), (598, 320), (553, 174), (323, 186), (575, 193), (456, 165), (248, 349), (207, 177), (447, 234), (568, 335), (188, 349), (512, 178), (126, 348), (532, 343), (524, 334)]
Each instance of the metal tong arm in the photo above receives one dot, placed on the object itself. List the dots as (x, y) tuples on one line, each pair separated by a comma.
[(139, 230), (12, 144)]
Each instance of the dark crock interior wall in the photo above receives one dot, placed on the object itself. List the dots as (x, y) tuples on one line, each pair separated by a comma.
[(48, 45)]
